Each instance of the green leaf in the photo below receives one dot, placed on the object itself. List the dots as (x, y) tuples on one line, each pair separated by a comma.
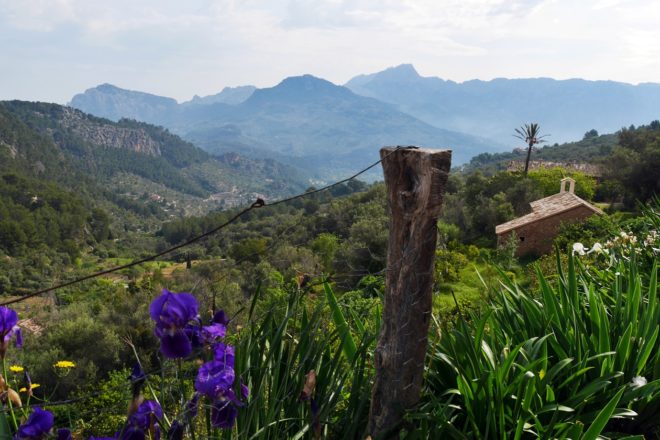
[(348, 343), (5, 431), (603, 417), (646, 352)]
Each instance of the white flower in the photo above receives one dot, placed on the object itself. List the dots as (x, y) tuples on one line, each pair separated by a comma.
[(598, 248), (579, 248), (638, 382)]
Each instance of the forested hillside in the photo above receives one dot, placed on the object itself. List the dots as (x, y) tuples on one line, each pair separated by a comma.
[(108, 149), (593, 148), (70, 181)]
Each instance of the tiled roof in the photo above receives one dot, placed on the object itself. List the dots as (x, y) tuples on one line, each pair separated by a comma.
[(546, 207)]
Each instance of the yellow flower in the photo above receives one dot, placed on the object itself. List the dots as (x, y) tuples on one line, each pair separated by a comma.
[(64, 364), (33, 386), (16, 368)]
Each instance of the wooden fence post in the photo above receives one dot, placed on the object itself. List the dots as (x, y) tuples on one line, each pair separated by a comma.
[(415, 180)]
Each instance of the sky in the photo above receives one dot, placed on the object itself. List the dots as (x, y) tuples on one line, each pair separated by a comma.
[(53, 49)]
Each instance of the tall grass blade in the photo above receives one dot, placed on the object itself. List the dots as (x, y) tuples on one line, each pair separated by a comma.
[(602, 418), (347, 341)]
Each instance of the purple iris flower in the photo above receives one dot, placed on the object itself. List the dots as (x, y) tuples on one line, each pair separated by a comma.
[(193, 332), (132, 433), (225, 409), (144, 413), (224, 353), (137, 379), (144, 419), (213, 332), (9, 328), (245, 391), (220, 318), (204, 335), (201, 335), (37, 427), (215, 379), (172, 312), (223, 414), (137, 374)]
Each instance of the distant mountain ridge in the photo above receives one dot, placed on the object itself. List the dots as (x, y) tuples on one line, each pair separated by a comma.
[(305, 121), (564, 108), (228, 95), (114, 103)]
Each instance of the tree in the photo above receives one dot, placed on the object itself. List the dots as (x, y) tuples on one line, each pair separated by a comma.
[(590, 134), (634, 163), (530, 134)]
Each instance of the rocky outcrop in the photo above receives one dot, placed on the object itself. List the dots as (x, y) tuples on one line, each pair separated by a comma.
[(11, 148), (106, 135)]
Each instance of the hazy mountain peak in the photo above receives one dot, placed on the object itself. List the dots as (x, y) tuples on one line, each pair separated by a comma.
[(402, 71), (306, 82), (228, 95), (106, 88), (115, 103), (304, 87)]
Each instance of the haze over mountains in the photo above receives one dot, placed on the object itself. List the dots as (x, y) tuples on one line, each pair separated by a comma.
[(330, 130), (305, 121), (564, 108)]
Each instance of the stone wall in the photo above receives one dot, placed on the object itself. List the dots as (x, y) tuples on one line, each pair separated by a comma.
[(536, 238)]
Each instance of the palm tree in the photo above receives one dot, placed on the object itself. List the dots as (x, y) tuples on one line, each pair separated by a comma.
[(530, 134)]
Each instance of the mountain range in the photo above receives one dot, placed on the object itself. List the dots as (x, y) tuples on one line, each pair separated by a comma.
[(304, 121), (565, 109), (330, 130)]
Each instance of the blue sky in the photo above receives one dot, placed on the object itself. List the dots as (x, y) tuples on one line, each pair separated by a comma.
[(52, 49)]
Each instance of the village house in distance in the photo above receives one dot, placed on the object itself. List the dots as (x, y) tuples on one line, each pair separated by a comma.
[(535, 231)]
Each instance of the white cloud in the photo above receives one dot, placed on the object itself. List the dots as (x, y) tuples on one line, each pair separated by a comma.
[(180, 48)]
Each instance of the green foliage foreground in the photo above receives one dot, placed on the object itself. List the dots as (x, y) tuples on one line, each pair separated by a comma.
[(569, 361), (575, 357)]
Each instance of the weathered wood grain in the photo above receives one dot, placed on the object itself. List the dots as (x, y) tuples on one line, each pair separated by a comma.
[(415, 180)]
